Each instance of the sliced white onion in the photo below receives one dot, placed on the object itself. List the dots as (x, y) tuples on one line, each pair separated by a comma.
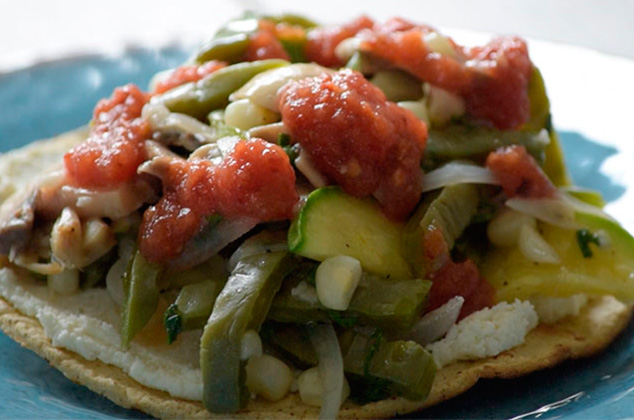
[(305, 165), (114, 280), (204, 246), (504, 228), (268, 132), (556, 211), (263, 89), (161, 118), (583, 207), (324, 340), (457, 173), (435, 324), (534, 247)]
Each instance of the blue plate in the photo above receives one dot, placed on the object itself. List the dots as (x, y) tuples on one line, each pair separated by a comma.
[(48, 99)]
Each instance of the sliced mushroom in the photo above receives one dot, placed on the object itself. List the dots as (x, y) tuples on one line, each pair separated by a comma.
[(17, 215), (187, 141), (66, 239), (157, 167), (116, 203), (155, 149)]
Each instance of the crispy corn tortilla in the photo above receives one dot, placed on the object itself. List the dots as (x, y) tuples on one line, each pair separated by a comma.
[(588, 333)]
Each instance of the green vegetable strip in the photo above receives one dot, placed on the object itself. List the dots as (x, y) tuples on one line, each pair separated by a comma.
[(141, 296), (200, 98), (386, 303), (241, 305), (192, 307), (450, 212), (456, 142), (375, 367)]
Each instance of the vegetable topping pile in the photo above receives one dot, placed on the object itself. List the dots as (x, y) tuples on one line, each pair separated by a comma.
[(323, 199)]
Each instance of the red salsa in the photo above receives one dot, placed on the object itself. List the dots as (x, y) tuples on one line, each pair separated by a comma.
[(185, 74), (519, 174), (460, 279), (264, 43), (322, 42), (357, 139), (255, 180), (492, 79), (451, 279), (114, 148)]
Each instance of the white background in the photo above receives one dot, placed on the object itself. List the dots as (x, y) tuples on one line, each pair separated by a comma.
[(45, 29)]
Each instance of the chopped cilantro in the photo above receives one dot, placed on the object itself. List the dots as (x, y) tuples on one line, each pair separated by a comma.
[(291, 150), (172, 322), (584, 239)]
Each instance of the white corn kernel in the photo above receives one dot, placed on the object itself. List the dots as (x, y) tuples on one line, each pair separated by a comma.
[(268, 377), (64, 283), (97, 240), (311, 388), (251, 345), (504, 228), (336, 280), (244, 114), (534, 247)]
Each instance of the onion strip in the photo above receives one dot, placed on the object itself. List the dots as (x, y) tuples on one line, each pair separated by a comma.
[(435, 324), (556, 211), (324, 340), (457, 173)]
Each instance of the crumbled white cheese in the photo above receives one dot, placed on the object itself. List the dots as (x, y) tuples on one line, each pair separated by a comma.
[(552, 309), (88, 324), (486, 333), (306, 292)]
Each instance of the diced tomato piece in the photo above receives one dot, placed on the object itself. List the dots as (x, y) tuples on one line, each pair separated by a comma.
[(407, 50), (398, 24), (187, 197), (460, 279), (436, 251), (255, 180), (322, 42), (493, 79), (357, 139), (499, 89), (126, 103), (519, 174), (186, 74), (264, 44), (114, 149)]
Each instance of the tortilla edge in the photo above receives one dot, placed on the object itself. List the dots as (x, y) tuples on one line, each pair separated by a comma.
[(110, 381)]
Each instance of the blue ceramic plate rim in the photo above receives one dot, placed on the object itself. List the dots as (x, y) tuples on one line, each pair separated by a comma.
[(49, 98)]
